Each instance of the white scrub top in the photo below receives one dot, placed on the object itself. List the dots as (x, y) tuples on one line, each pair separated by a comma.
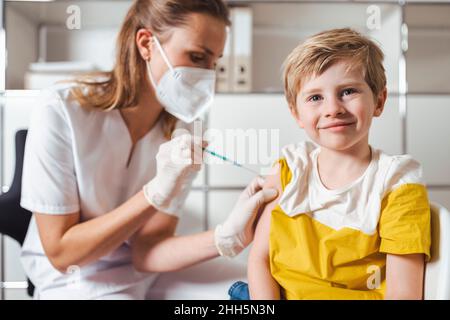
[(76, 160)]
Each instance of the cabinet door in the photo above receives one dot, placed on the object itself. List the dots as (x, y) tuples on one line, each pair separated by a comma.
[(260, 125), (220, 204), (440, 196), (192, 219), (428, 136), (428, 63), (16, 116), (250, 129), (279, 27), (386, 132)]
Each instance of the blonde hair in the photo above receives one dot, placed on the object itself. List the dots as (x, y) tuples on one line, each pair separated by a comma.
[(321, 51), (120, 88)]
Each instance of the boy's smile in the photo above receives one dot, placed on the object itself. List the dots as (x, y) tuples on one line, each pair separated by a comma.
[(336, 108)]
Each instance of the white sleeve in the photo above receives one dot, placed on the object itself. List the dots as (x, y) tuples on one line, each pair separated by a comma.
[(403, 170), (49, 182)]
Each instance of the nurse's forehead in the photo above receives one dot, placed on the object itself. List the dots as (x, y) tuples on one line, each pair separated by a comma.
[(195, 42)]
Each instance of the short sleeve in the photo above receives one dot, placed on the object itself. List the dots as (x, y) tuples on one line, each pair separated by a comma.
[(402, 170), (405, 221), (285, 172), (49, 182)]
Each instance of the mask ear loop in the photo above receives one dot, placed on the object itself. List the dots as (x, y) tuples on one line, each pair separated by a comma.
[(150, 75), (166, 60)]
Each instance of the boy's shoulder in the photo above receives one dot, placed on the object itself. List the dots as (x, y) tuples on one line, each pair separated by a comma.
[(400, 170), (391, 170), (300, 153)]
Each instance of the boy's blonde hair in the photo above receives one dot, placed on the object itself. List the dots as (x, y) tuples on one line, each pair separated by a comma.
[(321, 51)]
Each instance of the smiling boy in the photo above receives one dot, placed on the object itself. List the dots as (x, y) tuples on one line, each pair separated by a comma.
[(350, 222)]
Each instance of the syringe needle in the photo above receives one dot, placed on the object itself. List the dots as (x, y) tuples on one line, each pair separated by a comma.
[(231, 161)]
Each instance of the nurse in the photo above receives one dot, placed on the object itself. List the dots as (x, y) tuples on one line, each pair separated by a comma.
[(102, 176)]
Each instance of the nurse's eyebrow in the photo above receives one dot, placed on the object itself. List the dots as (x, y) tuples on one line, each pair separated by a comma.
[(208, 51)]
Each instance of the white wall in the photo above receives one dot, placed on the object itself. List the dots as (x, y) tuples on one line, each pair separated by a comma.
[(16, 113), (21, 43), (93, 45)]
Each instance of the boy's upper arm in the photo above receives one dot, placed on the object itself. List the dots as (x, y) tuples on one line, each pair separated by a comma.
[(261, 241), (405, 276)]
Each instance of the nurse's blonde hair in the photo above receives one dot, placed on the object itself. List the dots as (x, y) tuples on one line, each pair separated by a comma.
[(120, 88), (321, 51)]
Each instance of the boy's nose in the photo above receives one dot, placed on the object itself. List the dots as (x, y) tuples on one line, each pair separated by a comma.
[(333, 107)]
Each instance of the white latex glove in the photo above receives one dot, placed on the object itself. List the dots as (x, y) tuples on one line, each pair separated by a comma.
[(236, 232), (177, 164)]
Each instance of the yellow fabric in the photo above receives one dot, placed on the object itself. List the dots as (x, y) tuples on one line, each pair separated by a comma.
[(405, 224), (313, 261)]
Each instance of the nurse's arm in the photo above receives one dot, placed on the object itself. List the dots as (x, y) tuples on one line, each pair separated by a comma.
[(155, 248), (404, 276), (262, 285), (67, 241)]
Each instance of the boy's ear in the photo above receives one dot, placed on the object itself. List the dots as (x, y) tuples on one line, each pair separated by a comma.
[(295, 114), (381, 100)]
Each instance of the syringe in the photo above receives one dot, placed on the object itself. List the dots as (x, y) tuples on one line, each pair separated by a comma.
[(230, 161)]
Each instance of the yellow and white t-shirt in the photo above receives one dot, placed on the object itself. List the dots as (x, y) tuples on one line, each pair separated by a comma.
[(332, 244)]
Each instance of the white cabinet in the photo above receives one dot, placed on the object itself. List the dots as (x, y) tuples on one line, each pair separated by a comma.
[(220, 205), (14, 271), (260, 125), (279, 27), (250, 129), (440, 196), (16, 116), (386, 130), (428, 56), (192, 219), (428, 135), (47, 31)]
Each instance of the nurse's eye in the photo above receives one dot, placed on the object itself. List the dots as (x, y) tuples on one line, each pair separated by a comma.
[(315, 98), (197, 58), (348, 91)]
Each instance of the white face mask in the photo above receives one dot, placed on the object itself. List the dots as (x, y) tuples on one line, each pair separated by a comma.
[(184, 92)]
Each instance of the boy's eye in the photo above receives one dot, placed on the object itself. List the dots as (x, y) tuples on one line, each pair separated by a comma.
[(349, 91), (314, 98)]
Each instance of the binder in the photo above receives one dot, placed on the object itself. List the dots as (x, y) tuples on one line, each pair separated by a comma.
[(242, 25), (224, 66)]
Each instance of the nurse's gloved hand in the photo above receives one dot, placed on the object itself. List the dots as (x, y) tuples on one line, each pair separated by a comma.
[(236, 232), (177, 163)]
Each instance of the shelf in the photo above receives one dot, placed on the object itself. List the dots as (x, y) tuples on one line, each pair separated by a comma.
[(427, 17), (55, 12)]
